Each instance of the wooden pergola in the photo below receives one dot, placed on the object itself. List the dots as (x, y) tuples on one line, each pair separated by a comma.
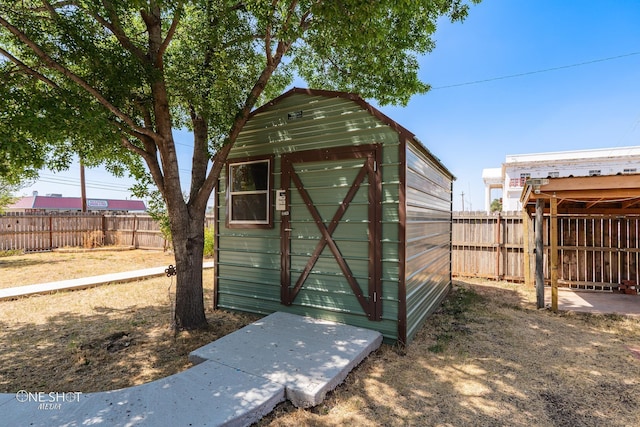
[(591, 195)]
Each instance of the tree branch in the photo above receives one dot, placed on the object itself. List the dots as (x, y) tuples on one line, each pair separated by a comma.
[(55, 5), (116, 28), (28, 70), (54, 65), (200, 158), (49, 8), (241, 119), (172, 30), (150, 159), (267, 31), (243, 115)]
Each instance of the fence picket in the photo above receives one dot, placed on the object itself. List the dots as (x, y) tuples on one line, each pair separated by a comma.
[(595, 252), (38, 232)]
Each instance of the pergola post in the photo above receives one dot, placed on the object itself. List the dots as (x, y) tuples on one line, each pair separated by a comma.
[(539, 252), (526, 241), (553, 236), (582, 195)]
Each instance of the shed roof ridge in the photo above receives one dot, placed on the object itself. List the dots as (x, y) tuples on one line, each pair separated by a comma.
[(338, 94), (401, 130)]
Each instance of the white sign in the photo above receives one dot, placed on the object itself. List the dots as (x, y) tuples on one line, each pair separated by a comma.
[(97, 204), (281, 200)]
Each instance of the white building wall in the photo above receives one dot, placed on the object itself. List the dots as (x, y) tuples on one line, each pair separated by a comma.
[(517, 168)]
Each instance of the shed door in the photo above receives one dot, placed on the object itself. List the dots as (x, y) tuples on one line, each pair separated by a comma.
[(331, 229)]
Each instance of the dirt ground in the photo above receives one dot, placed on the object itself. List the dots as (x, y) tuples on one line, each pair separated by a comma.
[(487, 357)]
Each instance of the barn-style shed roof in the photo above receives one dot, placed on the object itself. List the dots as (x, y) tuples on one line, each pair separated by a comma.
[(402, 131)]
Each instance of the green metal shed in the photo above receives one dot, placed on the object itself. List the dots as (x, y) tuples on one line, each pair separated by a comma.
[(330, 209)]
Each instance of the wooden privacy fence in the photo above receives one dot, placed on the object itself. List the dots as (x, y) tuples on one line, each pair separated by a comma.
[(40, 232), (595, 252), (489, 246)]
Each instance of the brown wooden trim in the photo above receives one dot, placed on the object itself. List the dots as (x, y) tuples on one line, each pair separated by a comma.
[(271, 159), (586, 194), (375, 227), (327, 239), (328, 233), (286, 168), (336, 153), (402, 244), (372, 155), (403, 133)]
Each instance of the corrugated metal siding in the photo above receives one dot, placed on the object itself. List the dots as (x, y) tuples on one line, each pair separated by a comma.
[(248, 265), (428, 237)]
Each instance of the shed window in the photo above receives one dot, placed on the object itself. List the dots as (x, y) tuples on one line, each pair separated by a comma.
[(248, 194)]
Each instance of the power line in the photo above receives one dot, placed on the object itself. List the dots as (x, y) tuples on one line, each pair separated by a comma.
[(92, 186), (528, 73), (73, 181), (100, 185)]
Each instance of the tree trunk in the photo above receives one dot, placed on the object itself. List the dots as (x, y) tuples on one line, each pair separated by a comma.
[(187, 229)]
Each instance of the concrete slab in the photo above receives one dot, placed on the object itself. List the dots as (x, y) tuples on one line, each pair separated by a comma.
[(308, 356), (595, 302), (84, 282), (209, 394), (5, 399)]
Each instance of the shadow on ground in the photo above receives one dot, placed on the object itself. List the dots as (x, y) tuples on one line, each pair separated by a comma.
[(488, 357), (112, 349)]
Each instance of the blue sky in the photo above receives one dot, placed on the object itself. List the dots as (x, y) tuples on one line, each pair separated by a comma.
[(552, 75)]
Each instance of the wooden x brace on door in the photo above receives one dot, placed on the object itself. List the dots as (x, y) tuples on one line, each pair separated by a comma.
[(370, 303)]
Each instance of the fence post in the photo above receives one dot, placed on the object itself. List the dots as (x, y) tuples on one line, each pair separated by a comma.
[(50, 232), (104, 228), (498, 246), (553, 230), (526, 241), (133, 232)]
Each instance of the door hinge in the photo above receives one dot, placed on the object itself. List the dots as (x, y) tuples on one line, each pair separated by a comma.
[(375, 166), (375, 297)]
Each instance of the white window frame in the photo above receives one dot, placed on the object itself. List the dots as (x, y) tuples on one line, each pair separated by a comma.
[(267, 222)]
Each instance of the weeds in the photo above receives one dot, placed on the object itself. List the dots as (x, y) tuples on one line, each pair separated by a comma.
[(10, 252), (93, 239), (209, 239), (452, 317)]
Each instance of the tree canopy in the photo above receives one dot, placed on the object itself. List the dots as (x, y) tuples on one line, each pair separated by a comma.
[(5, 194), (110, 80)]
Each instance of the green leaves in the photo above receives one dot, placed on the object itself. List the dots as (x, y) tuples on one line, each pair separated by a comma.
[(371, 47), (79, 76)]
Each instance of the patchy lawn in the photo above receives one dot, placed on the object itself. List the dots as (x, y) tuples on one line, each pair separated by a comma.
[(102, 338), (42, 267), (487, 357)]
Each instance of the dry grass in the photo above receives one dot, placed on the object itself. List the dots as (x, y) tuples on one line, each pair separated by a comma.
[(101, 338), (487, 357), (29, 269)]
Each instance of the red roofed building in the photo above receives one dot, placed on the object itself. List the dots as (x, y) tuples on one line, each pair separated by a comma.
[(38, 203)]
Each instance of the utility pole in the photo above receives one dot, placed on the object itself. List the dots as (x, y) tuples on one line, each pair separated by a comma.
[(462, 194)]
